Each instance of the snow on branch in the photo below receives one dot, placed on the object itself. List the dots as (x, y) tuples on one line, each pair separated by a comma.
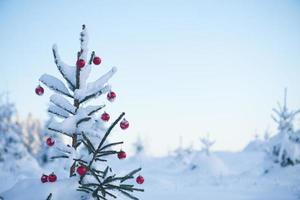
[(84, 39), (62, 103), (103, 90), (70, 125), (58, 111), (55, 84), (93, 109), (53, 126), (95, 88), (68, 72), (61, 128), (84, 74)]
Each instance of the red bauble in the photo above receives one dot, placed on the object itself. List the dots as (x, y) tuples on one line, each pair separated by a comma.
[(97, 60), (111, 96), (39, 90), (52, 177), (50, 142), (124, 124), (105, 117), (122, 155), (81, 170), (80, 63), (140, 179), (44, 178)]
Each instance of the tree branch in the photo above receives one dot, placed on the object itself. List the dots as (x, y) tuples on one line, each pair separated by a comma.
[(96, 110), (59, 67), (59, 131), (92, 57), (101, 91), (57, 114), (110, 129), (49, 197)]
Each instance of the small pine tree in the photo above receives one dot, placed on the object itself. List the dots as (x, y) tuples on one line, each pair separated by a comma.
[(89, 147), (284, 146), (206, 143), (183, 154)]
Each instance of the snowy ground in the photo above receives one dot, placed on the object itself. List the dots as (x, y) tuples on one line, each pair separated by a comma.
[(223, 175), (239, 177)]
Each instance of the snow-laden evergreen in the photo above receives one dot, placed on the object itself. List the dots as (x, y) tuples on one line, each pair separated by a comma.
[(90, 173), (285, 145), (207, 143), (12, 148), (16, 162)]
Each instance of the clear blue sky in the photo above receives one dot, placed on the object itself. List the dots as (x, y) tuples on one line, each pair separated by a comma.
[(185, 67)]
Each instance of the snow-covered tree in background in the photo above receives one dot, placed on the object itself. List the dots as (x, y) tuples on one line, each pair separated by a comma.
[(267, 135), (139, 147), (89, 147), (204, 161), (206, 144), (12, 148), (285, 145), (259, 143), (46, 151), (31, 133), (182, 154), (11, 143)]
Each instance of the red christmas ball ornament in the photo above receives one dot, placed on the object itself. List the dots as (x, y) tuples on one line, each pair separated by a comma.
[(111, 96), (80, 63), (140, 179), (52, 177), (124, 124), (44, 178), (50, 142), (39, 90), (81, 170), (105, 116), (122, 155), (97, 60)]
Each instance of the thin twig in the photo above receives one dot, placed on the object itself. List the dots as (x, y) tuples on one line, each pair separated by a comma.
[(49, 197)]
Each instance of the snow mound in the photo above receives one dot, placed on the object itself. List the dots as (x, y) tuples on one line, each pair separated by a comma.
[(256, 145), (209, 165), (33, 189)]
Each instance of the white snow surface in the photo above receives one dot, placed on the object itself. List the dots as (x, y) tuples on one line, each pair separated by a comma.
[(58, 110), (67, 71), (62, 102), (54, 83), (222, 175), (95, 86)]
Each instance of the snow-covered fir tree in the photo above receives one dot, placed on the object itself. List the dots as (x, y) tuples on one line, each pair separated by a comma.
[(285, 145), (207, 143), (12, 148), (181, 154), (88, 150)]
